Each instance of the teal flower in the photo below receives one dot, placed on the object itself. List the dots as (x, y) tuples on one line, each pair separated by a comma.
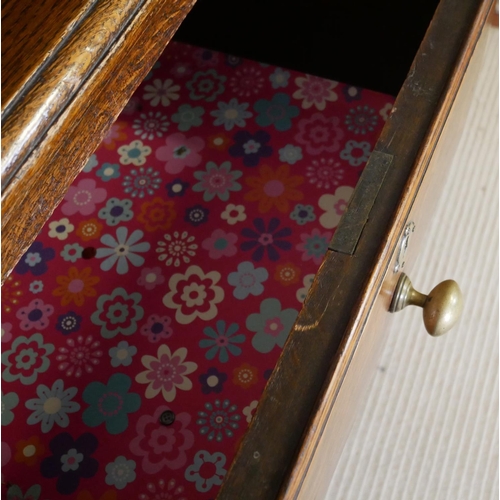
[(188, 117), (120, 472), (110, 403), (222, 341), (206, 85), (302, 214), (141, 182), (202, 483), (122, 354), (247, 280), (9, 402), (231, 114), (116, 211), (71, 253), (314, 245), (218, 420), (356, 153), (290, 154), (271, 325), (361, 119), (277, 112), (27, 357), (217, 181), (118, 313), (52, 406), (91, 164), (279, 78), (32, 493), (122, 250), (109, 171)]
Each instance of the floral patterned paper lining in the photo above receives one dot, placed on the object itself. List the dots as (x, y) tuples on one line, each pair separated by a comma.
[(169, 277)]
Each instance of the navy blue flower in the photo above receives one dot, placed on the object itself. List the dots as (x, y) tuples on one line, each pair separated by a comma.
[(177, 187), (251, 147), (68, 323), (196, 215), (266, 239), (233, 61), (352, 93), (70, 461), (35, 259), (212, 381)]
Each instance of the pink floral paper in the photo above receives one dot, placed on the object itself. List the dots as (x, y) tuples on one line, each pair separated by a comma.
[(169, 277)]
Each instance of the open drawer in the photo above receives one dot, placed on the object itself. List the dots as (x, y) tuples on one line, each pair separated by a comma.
[(313, 377)]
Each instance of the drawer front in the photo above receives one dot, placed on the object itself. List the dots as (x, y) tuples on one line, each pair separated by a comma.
[(357, 375)]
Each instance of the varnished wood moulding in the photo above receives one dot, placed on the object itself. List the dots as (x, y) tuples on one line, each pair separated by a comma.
[(276, 451), (39, 184), (32, 32)]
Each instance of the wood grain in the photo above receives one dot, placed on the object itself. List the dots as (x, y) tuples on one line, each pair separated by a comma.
[(273, 455), (52, 131), (31, 34)]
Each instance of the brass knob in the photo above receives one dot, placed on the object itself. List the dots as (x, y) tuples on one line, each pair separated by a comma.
[(442, 307)]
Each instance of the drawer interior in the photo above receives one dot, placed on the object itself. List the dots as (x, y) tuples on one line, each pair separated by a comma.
[(354, 43)]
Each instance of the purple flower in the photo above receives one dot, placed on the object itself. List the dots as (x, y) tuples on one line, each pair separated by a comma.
[(35, 259), (70, 461), (177, 187), (252, 147), (68, 323), (212, 381), (263, 239), (196, 215)]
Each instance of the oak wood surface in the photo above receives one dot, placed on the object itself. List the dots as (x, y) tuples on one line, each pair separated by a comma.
[(273, 455), (70, 103), (31, 33)]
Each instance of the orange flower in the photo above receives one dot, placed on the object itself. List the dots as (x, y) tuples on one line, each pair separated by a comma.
[(157, 214), (219, 142), (287, 274), (245, 376), (89, 229), (86, 495), (28, 451), (76, 286), (115, 134), (274, 188), (10, 294)]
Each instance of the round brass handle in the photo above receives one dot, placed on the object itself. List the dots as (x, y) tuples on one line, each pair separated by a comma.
[(442, 307)]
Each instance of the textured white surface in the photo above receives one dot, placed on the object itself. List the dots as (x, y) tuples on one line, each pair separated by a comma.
[(429, 428)]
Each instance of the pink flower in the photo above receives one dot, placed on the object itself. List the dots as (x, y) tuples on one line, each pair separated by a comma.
[(220, 244), (150, 278), (79, 356), (164, 491), (157, 328), (180, 152), (83, 198), (315, 91), (314, 245), (6, 332), (162, 446), (35, 315), (166, 373), (319, 134)]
